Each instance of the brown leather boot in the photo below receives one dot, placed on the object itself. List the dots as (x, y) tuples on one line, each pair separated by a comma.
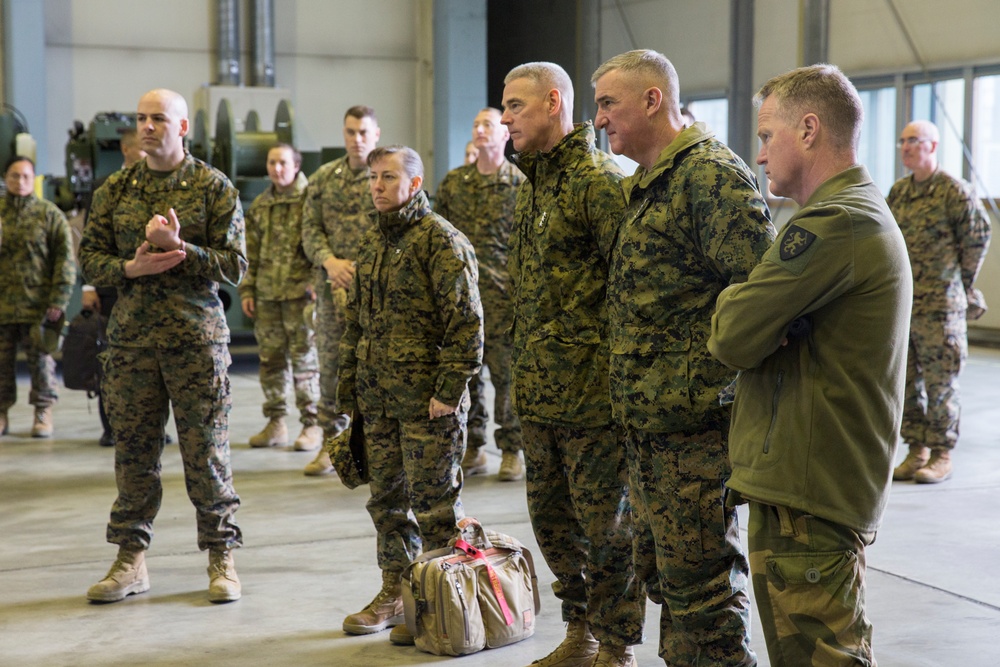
[(274, 434), (223, 584), (385, 611), (579, 649), (3, 423), (127, 576), (914, 461), (938, 469)]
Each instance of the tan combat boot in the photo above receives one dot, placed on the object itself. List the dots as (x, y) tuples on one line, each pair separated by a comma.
[(401, 636), (914, 461), (223, 584), (615, 656), (385, 611), (319, 466), (474, 461), (127, 576), (511, 467), (938, 469), (579, 649), (274, 434), (42, 427), (310, 438)]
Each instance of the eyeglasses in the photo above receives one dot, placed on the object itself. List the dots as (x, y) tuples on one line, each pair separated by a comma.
[(910, 141)]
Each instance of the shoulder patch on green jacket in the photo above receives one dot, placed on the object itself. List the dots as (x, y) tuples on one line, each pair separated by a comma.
[(794, 242), (794, 249)]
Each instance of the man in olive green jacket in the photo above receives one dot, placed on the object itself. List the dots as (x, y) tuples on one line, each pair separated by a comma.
[(819, 331), (414, 337)]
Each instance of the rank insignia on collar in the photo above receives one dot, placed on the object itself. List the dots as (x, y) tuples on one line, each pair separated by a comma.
[(794, 242)]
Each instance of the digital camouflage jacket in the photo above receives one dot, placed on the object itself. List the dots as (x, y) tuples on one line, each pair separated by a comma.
[(181, 306), (414, 321), (694, 224), (37, 269), (481, 206), (565, 222), (278, 268), (947, 235), (335, 213)]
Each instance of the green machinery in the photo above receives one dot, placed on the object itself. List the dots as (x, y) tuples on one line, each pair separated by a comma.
[(92, 154)]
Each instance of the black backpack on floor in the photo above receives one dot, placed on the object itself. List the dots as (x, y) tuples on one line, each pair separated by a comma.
[(85, 339)]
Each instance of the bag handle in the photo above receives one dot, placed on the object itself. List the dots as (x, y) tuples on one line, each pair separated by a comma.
[(473, 552)]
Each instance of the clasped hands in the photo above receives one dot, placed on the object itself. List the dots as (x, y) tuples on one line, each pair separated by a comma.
[(165, 234)]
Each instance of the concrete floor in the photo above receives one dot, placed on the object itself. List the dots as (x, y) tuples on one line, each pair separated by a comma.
[(933, 591)]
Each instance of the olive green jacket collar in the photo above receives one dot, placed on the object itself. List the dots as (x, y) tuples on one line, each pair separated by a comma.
[(856, 175)]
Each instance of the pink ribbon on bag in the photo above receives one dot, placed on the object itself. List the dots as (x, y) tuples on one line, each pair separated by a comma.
[(473, 552)]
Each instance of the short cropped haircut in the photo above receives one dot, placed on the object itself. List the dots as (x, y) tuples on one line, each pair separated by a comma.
[(296, 155), (361, 111), (652, 64), (18, 158), (129, 136), (548, 75), (821, 89), (412, 164)]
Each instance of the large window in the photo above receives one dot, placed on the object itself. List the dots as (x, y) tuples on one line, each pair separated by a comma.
[(943, 103), (877, 148), (714, 113), (986, 133)]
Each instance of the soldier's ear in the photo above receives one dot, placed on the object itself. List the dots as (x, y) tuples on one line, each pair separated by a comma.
[(809, 128), (653, 99)]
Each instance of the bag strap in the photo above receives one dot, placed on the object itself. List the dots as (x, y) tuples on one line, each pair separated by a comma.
[(534, 579), (473, 552)]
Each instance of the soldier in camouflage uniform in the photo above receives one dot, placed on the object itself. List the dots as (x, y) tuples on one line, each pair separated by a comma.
[(695, 223), (818, 331), (413, 339), (947, 234), (37, 273), (334, 218), (565, 222), (166, 232), (275, 292), (479, 199)]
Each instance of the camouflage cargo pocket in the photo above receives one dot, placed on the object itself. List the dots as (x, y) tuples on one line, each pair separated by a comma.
[(819, 594)]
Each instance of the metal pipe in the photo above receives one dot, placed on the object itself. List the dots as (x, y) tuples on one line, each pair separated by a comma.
[(262, 47), (228, 32)]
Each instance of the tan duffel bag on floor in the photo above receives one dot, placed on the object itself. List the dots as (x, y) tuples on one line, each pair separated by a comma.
[(476, 594)]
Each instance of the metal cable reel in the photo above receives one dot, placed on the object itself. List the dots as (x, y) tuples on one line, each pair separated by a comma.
[(242, 155)]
